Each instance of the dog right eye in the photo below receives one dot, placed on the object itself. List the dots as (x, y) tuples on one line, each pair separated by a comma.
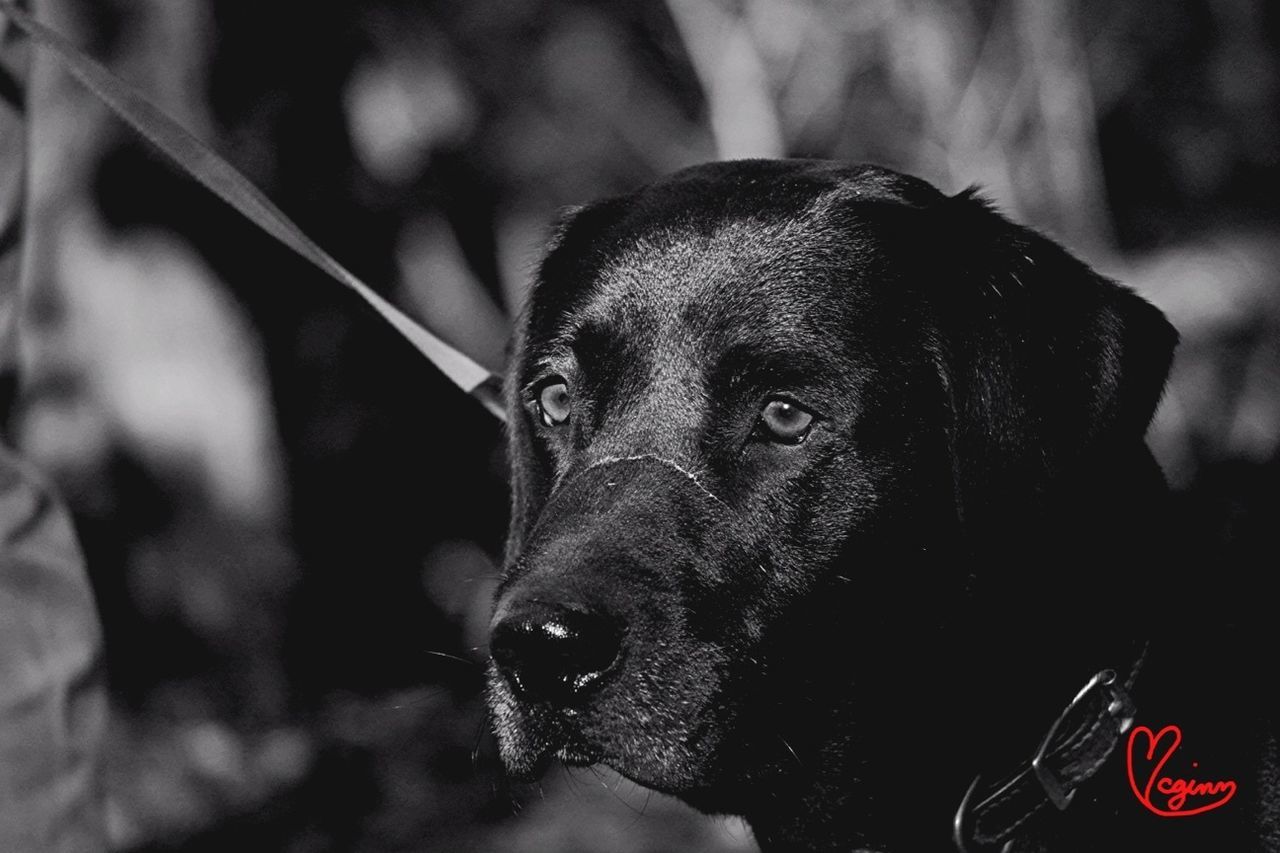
[(554, 403), (785, 422)]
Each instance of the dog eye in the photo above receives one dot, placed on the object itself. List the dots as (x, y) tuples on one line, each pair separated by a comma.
[(554, 403), (785, 422)]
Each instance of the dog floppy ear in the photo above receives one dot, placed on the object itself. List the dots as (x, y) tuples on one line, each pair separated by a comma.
[(1051, 368), (528, 478), (526, 457)]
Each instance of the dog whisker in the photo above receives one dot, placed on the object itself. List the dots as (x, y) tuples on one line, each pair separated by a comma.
[(613, 791), (483, 726), (448, 656), (644, 809), (574, 784), (790, 750), (402, 700)]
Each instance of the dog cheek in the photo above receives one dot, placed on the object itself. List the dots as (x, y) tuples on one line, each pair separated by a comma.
[(675, 717), (776, 554)]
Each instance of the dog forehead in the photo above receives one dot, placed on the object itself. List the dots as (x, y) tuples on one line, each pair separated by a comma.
[(769, 272), (735, 232)]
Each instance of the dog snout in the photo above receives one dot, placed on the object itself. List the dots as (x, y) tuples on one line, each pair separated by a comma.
[(554, 653)]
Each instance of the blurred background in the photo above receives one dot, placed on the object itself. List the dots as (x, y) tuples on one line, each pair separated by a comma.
[(292, 520)]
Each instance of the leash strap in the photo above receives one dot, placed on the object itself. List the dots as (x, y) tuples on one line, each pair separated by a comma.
[(1076, 746), (223, 180)]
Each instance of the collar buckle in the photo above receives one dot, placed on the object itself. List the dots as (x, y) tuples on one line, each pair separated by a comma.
[(1058, 787), (1119, 707)]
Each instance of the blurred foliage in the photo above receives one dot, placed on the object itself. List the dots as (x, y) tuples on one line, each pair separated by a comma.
[(292, 522)]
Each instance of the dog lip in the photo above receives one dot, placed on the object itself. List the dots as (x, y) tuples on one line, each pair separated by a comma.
[(576, 755), (548, 740), (533, 767)]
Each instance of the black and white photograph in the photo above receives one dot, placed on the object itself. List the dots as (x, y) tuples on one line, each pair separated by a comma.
[(639, 426)]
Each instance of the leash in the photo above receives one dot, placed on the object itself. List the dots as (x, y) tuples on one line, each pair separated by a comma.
[(1077, 745), (200, 162)]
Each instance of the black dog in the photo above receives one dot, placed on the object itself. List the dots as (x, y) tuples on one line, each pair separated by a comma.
[(830, 493)]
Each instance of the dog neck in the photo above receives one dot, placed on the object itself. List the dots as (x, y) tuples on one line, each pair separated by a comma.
[(910, 702)]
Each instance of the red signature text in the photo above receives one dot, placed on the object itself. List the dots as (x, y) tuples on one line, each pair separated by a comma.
[(1165, 795)]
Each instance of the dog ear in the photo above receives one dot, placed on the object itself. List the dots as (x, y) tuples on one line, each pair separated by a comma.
[(528, 478), (526, 457), (1049, 366)]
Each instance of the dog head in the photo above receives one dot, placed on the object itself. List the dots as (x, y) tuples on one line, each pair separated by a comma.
[(758, 412)]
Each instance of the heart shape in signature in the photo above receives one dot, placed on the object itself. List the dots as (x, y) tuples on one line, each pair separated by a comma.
[(1176, 790)]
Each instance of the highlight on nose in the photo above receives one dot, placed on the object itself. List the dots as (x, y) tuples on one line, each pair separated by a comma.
[(553, 653)]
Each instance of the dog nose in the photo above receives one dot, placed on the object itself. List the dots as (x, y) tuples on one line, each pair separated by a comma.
[(552, 653)]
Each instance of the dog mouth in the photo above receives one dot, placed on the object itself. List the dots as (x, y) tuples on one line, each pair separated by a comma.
[(533, 735), (578, 753), (655, 753), (527, 754), (652, 706), (611, 730)]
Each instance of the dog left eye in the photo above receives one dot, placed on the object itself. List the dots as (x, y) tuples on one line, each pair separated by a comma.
[(554, 403), (785, 422)]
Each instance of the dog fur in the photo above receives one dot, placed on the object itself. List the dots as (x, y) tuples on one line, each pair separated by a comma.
[(833, 637)]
